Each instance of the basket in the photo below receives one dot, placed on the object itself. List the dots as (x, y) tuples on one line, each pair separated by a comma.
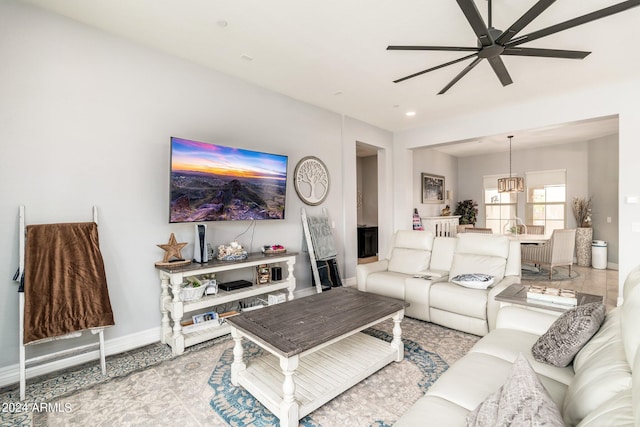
[(274, 251), (192, 294)]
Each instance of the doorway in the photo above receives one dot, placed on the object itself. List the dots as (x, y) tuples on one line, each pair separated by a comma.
[(367, 202)]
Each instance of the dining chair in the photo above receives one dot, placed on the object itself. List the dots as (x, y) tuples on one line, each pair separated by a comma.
[(462, 228), (558, 251), (535, 229)]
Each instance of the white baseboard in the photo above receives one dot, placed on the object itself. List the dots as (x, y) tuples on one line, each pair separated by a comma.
[(305, 292), (11, 374), (351, 282)]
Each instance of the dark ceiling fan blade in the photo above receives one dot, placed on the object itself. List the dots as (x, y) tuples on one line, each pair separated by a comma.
[(475, 20), (545, 53), (524, 20), (455, 61), (500, 70), (602, 13), (444, 48), (460, 75)]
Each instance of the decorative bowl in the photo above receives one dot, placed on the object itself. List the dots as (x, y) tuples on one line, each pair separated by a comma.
[(232, 252), (233, 257)]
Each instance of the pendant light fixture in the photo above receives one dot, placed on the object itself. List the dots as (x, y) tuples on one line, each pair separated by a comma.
[(513, 184)]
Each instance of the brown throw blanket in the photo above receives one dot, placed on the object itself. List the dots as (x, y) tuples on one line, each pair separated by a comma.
[(65, 286)]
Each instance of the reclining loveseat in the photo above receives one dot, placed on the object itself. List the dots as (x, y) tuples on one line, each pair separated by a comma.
[(422, 269)]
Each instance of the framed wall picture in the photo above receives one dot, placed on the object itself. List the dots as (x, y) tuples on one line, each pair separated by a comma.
[(432, 188)]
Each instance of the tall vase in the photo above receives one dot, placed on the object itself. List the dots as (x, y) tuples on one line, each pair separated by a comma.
[(584, 238)]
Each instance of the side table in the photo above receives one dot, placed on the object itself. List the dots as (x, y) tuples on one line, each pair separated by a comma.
[(517, 294)]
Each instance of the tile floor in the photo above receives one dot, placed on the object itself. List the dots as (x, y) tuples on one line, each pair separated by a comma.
[(590, 281)]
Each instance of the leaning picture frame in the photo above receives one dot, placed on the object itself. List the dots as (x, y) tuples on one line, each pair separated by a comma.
[(433, 189)]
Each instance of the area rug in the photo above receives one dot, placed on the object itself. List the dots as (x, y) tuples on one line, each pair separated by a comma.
[(540, 274), (369, 399), (150, 387), (57, 393)]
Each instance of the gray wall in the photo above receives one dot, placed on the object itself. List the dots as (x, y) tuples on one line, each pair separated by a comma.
[(603, 187), (85, 119), (572, 157), (592, 171), (368, 190), (434, 162)]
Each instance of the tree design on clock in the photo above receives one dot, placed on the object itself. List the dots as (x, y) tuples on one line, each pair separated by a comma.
[(311, 180)]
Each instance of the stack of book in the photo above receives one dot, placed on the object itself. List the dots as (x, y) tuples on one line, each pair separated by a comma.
[(200, 321), (552, 295)]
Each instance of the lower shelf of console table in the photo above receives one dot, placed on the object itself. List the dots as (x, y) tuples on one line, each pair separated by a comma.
[(173, 309)]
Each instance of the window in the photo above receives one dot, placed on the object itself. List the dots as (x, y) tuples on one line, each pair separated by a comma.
[(500, 208), (546, 197)]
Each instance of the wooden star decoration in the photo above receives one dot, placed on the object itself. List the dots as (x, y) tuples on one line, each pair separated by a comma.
[(172, 249)]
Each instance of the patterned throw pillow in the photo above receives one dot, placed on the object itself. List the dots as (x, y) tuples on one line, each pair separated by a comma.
[(568, 334), (521, 401), (474, 281)]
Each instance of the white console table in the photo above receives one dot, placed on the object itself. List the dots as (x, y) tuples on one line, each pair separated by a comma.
[(173, 308), (442, 225)]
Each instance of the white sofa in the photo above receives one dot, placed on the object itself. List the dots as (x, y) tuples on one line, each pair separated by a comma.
[(419, 253), (601, 387)]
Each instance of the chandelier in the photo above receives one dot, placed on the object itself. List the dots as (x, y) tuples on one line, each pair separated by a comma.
[(513, 184)]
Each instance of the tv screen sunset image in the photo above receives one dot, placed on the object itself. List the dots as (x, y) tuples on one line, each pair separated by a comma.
[(217, 183)]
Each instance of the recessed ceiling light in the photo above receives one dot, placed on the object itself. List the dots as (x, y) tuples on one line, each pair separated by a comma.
[(338, 92), (222, 23), (410, 113), (246, 57)]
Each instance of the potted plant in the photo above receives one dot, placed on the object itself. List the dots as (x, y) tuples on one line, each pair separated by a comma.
[(584, 232), (467, 209)]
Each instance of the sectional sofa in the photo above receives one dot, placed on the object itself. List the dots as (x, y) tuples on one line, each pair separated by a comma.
[(600, 387), (420, 269)]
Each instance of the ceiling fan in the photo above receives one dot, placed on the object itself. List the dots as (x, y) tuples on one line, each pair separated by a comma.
[(493, 43)]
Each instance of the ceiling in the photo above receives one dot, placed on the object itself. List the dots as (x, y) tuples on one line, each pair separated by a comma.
[(332, 53), (565, 133)]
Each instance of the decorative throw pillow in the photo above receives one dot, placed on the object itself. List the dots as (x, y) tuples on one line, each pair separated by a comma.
[(475, 281), (521, 401), (568, 334)]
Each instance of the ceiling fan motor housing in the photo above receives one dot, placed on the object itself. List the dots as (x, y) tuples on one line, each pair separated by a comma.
[(493, 49)]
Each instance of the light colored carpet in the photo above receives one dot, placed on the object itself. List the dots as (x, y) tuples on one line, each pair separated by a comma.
[(190, 390)]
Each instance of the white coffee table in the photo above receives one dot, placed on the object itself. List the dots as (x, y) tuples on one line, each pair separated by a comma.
[(315, 349)]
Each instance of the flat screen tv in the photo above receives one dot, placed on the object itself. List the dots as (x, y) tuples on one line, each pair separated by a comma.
[(212, 182)]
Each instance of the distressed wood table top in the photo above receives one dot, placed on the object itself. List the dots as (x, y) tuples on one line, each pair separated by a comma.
[(295, 326)]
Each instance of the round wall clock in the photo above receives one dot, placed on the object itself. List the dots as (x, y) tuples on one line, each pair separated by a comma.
[(311, 180)]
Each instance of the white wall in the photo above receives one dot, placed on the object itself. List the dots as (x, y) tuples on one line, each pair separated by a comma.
[(603, 187), (85, 119), (368, 190), (592, 171), (610, 99), (572, 157), (434, 162)]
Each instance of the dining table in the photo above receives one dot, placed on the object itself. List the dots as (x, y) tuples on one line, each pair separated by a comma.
[(529, 239)]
